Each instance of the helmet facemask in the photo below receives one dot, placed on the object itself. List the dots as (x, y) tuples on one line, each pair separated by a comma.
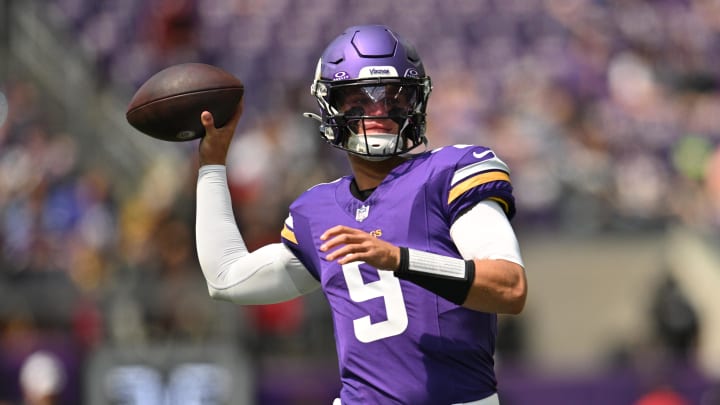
[(373, 118)]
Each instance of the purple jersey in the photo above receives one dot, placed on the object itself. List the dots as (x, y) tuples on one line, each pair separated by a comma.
[(397, 342)]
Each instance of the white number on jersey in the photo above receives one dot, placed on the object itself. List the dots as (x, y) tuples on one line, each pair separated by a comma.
[(387, 287)]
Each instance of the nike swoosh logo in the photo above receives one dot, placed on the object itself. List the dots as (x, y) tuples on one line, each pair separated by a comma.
[(483, 155)]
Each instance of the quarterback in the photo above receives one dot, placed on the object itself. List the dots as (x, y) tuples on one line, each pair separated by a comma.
[(413, 250)]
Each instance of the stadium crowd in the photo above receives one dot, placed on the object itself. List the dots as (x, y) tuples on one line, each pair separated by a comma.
[(608, 113)]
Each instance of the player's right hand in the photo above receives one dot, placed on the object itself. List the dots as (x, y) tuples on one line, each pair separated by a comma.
[(216, 142), (352, 245)]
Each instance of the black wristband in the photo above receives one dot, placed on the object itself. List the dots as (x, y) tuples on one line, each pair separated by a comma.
[(454, 289), (404, 265)]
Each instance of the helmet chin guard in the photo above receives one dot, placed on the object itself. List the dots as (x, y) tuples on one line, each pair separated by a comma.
[(376, 63), (380, 145)]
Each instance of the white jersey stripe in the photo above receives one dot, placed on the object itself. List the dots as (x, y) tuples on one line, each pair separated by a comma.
[(486, 165)]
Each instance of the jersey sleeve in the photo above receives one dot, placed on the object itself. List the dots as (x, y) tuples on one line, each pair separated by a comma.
[(297, 237), (477, 175)]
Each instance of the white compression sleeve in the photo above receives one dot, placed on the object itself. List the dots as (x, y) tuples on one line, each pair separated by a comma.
[(484, 232), (268, 275)]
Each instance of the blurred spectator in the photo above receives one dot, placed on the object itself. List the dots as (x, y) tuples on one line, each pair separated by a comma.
[(42, 378), (675, 321)]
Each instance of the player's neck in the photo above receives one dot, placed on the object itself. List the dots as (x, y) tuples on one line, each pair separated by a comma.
[(369, 174)]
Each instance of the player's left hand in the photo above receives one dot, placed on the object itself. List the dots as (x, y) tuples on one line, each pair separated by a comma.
[(355, 245)]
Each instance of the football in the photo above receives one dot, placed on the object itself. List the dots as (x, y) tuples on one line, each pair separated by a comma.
[(168, 105)]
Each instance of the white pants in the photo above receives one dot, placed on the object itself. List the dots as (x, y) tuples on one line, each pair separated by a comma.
[(491, 400)]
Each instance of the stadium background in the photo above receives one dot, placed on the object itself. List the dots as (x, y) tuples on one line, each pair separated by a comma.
[(607, 111)]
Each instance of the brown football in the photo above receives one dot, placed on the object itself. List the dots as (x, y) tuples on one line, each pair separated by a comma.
[(168, 105)]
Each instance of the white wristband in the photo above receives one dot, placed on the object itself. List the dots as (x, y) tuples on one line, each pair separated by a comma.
[(436, 265), (448, 277)]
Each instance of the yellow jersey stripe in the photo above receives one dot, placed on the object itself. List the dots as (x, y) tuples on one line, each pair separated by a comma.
[(288, 234), (475, 181), (504, 204)]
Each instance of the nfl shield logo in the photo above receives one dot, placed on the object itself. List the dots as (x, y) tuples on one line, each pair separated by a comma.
[(362, 213)]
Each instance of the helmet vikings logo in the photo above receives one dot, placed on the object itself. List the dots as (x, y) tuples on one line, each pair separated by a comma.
[(377, 71)]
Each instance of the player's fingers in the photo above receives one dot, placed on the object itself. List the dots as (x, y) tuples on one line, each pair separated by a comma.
[(339, 229), (331, 232), (214, 146), (353, 253), (372, 257), (362, 248), (343, 239), (340, 253), (207, 120), (349, 258)]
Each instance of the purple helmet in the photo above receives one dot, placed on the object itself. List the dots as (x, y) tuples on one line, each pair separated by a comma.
[(370, 67)]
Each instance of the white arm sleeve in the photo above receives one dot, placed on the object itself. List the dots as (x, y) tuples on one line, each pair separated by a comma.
[(268, 275), (484, 232)]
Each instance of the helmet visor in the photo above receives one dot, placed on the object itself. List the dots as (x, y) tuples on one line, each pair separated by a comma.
[(377, 100)]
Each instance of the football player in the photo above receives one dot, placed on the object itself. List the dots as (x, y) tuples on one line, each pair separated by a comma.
[(414, 251)]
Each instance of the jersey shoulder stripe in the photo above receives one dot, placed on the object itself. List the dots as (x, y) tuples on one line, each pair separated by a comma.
[(475, 181), (296, 235), (287, 232), (487, 161), (474, 173)]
